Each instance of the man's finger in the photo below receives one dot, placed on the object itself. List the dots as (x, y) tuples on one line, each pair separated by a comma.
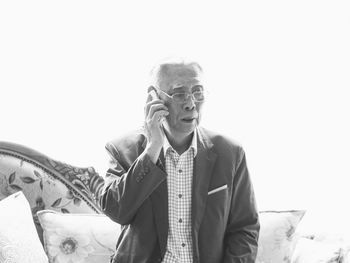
[(149, 97), (155, 108), (159, 114), (152, 103)]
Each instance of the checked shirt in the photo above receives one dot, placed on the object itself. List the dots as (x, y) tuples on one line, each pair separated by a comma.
[(179, 182)]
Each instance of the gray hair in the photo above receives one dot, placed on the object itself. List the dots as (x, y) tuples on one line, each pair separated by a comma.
[(161, 68)]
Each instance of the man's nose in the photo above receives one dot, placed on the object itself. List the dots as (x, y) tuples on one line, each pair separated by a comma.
[(190, 104)]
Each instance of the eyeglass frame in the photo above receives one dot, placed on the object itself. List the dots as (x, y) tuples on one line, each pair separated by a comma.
[(187, 93)]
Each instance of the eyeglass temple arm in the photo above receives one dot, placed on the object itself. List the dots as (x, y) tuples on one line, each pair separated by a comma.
[(163, 92)]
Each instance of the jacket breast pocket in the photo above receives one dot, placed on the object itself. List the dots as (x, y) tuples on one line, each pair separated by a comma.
[(218, 203), (218, 189)]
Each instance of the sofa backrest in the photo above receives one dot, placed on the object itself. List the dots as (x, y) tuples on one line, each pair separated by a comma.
[(46, 183)]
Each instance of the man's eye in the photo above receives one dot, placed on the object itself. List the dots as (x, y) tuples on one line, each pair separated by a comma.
[(199, 95), (180, 96), (197, 88)]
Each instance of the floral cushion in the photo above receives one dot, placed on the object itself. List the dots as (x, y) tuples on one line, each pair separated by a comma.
[(78, 237), (277, 237), (311, 251), (19, 242), (46, 183)]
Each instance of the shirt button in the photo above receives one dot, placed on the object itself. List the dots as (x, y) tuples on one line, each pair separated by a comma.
[(180, 171), (183, 244), (180, 220), (180, 195)]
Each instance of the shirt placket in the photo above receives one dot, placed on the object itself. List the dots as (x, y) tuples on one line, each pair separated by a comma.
[(179, 192), (176, 164), (181, 204)]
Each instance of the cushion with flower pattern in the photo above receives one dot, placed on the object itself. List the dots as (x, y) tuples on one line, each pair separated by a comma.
[(47, 183), (19, 242), (277, 238), (78, 237)]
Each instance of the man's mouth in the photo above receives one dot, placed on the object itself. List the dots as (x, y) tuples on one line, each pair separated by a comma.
[(188, 120)]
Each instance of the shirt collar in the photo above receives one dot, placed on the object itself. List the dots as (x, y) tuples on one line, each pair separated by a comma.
[(167, 146)]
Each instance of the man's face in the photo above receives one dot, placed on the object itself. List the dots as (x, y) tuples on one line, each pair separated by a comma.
[(183, 117)]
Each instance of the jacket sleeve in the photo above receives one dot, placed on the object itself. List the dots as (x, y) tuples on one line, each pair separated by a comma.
[(242, 233), (128, 186)]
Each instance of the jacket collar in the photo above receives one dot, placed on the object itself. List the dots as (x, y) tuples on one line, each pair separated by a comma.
[(167, 146)]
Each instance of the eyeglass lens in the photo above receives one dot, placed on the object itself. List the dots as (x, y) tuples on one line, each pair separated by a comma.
[(181, 97)]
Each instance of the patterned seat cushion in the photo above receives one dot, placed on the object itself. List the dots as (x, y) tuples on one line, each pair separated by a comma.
[(278, 238), (46, 183), (19, 242)]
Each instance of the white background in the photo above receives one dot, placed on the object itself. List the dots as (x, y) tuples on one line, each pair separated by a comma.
[(74, 74)]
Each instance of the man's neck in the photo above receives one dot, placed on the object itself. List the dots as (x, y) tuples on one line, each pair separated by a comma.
[(179, 143)]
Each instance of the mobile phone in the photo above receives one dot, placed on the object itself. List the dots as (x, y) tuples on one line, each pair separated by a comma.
[(155, 96)]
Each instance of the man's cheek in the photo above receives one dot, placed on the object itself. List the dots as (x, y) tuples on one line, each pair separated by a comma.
[(170, 118)]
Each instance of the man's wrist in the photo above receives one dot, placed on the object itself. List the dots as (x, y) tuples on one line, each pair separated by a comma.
[(153, 152)]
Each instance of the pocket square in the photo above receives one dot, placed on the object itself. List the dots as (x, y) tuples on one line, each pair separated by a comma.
[(217, 189)]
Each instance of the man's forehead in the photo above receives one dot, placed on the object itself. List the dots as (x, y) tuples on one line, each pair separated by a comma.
[(181, 70), (179, 75)]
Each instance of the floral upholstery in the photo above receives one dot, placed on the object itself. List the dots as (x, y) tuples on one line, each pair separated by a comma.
[(46, 183), (84, 238), (277, 237)]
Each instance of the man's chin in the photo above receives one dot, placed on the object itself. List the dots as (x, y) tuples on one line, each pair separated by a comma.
[(183, 131), (188, 128)]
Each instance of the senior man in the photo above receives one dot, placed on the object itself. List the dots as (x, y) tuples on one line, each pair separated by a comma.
[(182, 193)]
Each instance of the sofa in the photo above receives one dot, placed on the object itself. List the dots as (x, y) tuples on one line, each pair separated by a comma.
[(49, 212)]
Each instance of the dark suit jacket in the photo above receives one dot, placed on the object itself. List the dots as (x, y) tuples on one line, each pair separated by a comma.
[(225, 224)]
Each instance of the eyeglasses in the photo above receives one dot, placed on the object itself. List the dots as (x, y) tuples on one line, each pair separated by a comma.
[(182, 97)]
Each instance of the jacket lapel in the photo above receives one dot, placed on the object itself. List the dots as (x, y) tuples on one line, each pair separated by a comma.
[(203, 166)]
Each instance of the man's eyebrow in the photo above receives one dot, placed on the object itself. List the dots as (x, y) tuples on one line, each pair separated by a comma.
[(179, 87), (183, 87), (197, 87)]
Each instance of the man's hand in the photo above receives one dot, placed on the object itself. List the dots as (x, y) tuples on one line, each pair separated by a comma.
[(155, 112)]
